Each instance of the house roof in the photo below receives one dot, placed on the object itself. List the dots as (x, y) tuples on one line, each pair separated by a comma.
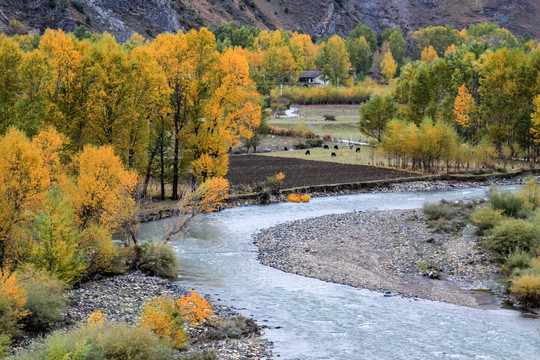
[(310, 74)]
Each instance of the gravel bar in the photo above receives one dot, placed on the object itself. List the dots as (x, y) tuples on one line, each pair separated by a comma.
[(384, 251)]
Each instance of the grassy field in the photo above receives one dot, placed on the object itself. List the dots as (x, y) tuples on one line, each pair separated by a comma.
[(346, 126), (343, 156)]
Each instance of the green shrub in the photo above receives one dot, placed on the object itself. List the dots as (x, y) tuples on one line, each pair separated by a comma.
[(514, 234), (156, 258), (100, 251), (45, 301), (233, 328), (511, 205), (107, 342), (435, 211), (486, 217), (518, 259)]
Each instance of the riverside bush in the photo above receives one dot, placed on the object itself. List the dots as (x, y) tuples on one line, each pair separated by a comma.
[(527, 289), (435, 211), (518, 259), (101, 253), (514, 234), (163, 316), (156, 258), (305, 198), (486, 217), (294, 198), (111, 341), (526, 284), (45, 301), (511, 205)]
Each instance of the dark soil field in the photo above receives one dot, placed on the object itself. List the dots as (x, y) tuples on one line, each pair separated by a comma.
[(254, 169)]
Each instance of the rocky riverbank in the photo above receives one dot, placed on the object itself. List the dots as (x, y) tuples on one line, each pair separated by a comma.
[(386, 251), (120, 298)]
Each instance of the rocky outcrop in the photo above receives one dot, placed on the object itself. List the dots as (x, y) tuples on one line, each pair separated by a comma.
[(315, 17)]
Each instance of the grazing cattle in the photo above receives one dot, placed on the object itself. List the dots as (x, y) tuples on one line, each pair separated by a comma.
[(357, 149), (326, 147), (336, 147), (334, 154), (308, 152), (350, 147), (285, 149)]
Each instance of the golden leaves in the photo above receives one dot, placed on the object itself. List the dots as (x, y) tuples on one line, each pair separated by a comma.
[(464, 107), (429, 54)]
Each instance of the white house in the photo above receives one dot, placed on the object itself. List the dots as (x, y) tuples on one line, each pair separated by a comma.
[(312, 78)]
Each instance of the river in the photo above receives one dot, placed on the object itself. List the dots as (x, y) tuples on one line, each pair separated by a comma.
[(311, 319)]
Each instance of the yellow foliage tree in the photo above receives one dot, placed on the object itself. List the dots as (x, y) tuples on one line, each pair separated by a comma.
[(231, 113), (24, 181), (464, 107), (450, 49), (11, 288), (388, 66), (103, 191), (428, 54), (51, 143), (165, 318), (535, 120), (195, 308)]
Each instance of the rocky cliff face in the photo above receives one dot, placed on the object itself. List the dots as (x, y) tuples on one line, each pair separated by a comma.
[(315, 17)]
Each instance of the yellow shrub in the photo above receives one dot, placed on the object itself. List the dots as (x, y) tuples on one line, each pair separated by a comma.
[(96, 319), (527, 288), (305, 198), (164, 317), (195, 308), (293, 198), (11, 288)]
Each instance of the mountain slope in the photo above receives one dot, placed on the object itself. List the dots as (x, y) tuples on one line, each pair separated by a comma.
[(315, 17)]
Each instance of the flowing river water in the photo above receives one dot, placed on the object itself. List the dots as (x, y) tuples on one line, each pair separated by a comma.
[(311, 319)]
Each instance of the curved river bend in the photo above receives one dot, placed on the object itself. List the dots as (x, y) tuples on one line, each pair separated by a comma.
[(312, 319)]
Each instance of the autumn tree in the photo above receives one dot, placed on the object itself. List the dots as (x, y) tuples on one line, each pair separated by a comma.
[(10, 62), (428, 54), (397, 43), (464, 108), (71, 89), (388, 66), (103, 190), (24, 182), (303, 51), (375, 114), (332, 59), (360, 54), (535, 119)]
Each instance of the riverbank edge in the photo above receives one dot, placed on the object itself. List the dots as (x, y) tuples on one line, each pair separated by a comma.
[(283, 248), (342, 189), (120, 298)]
